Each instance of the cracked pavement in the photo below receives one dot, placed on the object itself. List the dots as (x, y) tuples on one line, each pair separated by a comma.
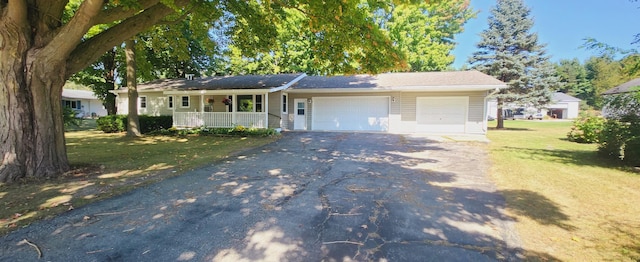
[(311, 196)]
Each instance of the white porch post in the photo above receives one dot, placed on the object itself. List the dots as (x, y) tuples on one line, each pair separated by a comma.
[(234, 100), (173, 109), (201, 103), (265, 109)]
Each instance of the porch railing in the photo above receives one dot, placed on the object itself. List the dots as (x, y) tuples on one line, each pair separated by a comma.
[(219, 119)]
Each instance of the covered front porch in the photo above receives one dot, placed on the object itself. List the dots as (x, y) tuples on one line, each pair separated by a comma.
[(213, 109), (219, 119)]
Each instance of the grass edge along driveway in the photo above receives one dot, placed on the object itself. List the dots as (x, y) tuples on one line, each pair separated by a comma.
[(567, 202), (106, 165)]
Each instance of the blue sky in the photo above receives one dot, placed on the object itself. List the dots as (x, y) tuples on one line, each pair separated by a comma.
[(562, 25)]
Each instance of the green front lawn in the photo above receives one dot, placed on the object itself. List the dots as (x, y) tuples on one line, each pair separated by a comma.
[(105, 165), (569, 203)]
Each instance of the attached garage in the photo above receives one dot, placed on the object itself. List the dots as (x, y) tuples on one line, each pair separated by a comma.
[(419, 102), (352, 113), (441, 114)]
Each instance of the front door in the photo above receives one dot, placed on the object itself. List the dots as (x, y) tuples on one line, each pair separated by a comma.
[(300, 114)]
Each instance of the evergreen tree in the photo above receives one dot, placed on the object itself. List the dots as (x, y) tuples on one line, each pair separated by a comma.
[(510, 52), (573, 76)]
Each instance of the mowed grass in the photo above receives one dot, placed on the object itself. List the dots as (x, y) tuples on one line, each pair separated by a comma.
[(105, 165), (569, 204)]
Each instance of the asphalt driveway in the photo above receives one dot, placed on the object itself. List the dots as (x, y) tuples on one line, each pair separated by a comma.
[(307, 197)]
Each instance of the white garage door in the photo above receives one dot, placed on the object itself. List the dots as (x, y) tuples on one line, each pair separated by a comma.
[(441, 114), (350, 113)]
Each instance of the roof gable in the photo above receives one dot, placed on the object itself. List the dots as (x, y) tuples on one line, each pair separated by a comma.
[(78, 94), (562, 97), (625, 88)]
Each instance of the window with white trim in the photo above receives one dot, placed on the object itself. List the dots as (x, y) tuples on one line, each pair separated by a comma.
[(170, 102), (249, 103), (143, 101), (258, 99), (284, 103), (72, 104), (184, 101)]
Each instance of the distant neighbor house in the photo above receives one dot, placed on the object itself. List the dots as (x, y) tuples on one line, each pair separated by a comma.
[(84, 102), (433, 102), (563, 106), (628, 87), (622, 90)]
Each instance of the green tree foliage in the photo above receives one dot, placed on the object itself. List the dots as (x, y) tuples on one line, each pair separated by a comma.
[(573, 78), (175, 49), (101, 78), (632, 65), (510, 52), (167, 50), (599, 73), (604, 73), (44, 43), (423, 35), (426, 34), (292, 52)]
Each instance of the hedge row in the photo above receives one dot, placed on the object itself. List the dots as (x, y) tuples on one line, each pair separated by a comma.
[(162, 125), (220, 131), (148, 124)]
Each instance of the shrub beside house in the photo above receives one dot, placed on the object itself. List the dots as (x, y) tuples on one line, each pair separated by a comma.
[(618, 135)]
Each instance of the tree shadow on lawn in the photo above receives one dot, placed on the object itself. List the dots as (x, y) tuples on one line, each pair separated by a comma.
[(626, 236), (536, 207), (561, 156)]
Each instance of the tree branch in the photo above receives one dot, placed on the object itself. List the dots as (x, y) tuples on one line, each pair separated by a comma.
[(90, 50), (17, 11), (51, 10), (70, 34), (121, 12), (175, 21)]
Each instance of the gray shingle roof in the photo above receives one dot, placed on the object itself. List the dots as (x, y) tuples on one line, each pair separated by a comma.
[(624, 88), (78, 94), (220, 82), (562, 97), (417, 79)]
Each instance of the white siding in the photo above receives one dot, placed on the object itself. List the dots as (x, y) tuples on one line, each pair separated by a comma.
[(122, 104), (573, 110), (274, 109), (402, 109)]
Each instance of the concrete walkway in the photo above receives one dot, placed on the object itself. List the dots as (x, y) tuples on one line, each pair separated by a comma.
[(307, 197)]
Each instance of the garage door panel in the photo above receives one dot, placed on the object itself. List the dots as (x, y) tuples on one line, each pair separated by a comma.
[(350, 113), (441, 114)]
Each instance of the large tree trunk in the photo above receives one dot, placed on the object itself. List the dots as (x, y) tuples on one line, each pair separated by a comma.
[(109, 62), (499, 117), (39, 50), (133, 129), (31, 125)]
